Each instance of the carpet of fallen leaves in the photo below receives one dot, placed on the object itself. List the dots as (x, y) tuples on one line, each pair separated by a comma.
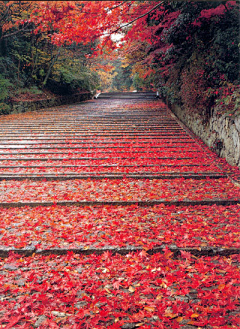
[(120, 226), (118, 190), (112, 291), (122, 158), (109, 160), (137, 290)]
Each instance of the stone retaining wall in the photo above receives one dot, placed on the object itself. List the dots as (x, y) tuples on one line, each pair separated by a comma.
[(28, 106), (221, 133)]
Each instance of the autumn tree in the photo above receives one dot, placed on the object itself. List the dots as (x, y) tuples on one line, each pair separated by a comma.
[(30, 61), (175, 47)]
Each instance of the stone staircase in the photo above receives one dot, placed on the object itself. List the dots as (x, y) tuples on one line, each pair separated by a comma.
[(114, 215)]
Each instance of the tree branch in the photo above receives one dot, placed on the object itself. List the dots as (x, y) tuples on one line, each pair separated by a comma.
[(114, 7), (135, 19), (51, 66), (4, 15), (16, 32)]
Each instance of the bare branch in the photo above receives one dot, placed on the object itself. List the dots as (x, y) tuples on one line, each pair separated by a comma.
[(135, 19), (16, 32), (118, 5)]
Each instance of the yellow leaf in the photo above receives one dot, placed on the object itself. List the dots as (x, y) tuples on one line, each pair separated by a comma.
[(131, 289), (149, 309), (159, 297), (179, 319), (139, 324), (221, 286), (163, 284), (194, 315), (170, 315)]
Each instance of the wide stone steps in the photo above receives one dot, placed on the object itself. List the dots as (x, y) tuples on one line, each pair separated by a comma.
[(102, 133), (109, 203)]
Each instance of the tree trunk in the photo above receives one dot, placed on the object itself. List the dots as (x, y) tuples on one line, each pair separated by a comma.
[(51, 66)]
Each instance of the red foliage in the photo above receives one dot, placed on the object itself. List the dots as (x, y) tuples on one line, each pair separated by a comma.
[(212, 12), (108, 291), (120, 226), (119, 190)]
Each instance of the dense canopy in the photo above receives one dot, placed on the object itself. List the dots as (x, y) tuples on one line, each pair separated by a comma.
[(175, 47)]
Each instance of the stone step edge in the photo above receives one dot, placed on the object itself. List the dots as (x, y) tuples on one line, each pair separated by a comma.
[(98, 176), (192, 148), (127, 140), (20, 147), (80, 124), (129, 135), (88, 152), (222, 202), (195, 251), (103, 165), (92, 159), (100, 143), (97, 134)]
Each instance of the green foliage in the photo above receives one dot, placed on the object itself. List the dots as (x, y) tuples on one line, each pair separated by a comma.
[(5, 84), (30, 62), (8, 69), (122, 80), (32, 90), (35, 90), (5, 108), (138, 83), (71, 79), (143, 84)]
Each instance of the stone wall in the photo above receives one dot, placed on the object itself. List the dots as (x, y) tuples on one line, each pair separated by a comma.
[(28, 106), (221, 133)]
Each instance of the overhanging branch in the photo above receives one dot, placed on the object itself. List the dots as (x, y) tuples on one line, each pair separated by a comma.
[(135, 19)]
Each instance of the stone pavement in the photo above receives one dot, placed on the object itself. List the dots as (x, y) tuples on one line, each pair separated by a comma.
[(110, 177)]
